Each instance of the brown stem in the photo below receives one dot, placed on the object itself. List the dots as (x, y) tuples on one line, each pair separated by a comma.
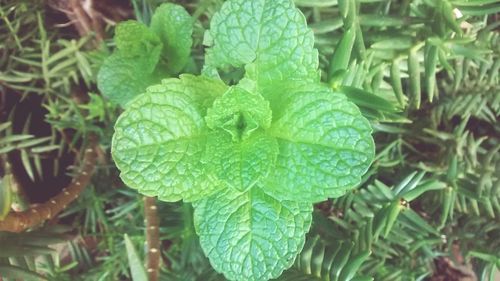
[(152, 238), (83, 16), (86, 22), (20, 221)]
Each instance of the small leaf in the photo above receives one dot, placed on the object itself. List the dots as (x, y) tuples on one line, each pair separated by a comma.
[(430, 70), (253, 235), (396, 83), (22, 250), (449, 17), (5, 195), (342, 54), (174, 26), (394, 43), (414, 193), (410, 184), (240, 113), (393, 211), (133, 39), (449, 197), (16, 272), (340, 260), (386, 20), (414, 73), (121, 79), (135, 263), (408, 216), (480, 10), (134, 65), (354, 264), (366, 99)]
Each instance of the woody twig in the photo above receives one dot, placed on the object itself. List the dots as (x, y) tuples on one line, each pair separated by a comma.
[(152, 238), (21, 221)]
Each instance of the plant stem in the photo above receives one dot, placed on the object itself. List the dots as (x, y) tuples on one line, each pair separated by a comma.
[(152, 238)]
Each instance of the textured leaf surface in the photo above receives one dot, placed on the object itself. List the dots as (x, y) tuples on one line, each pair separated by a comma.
[(271, 34), (134, 39), (325, 145), (241, 164), (160, 138), (145, 55), (121, 78), (251, 235), (239, 113), (174, 26)]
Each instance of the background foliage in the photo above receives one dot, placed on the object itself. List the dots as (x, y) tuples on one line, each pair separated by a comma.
[(425, 72)]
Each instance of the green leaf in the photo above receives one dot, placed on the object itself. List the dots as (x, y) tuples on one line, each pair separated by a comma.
[(241, 164), (385, 21), (414, 73), (121, 78), (160, 139), (366, 99), (137, 62), (355, 263), (239, 113), (396, 84), (271, 35), (134, 39), (393, 211), (342, 54), (21, 250), (325, 145), (414, 193), (174, 26), (5, 195), (251, 235), (135, 263), (480, 10), (16, 272)]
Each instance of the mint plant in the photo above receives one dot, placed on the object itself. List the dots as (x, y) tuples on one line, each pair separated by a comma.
[(252, 157), (144, 55)]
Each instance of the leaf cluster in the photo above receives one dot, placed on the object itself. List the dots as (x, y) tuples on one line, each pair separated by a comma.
[(424, 75)]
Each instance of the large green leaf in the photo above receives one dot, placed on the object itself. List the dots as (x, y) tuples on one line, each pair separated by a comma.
[(270, 36), (325, 144), (251, 235), (160, 138)]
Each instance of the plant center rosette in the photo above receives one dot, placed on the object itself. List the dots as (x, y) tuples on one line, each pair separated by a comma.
[(252, 166), (254, 157)]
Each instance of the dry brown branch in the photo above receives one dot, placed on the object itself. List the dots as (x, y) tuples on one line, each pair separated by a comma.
[(20, 221), (82, 15)]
